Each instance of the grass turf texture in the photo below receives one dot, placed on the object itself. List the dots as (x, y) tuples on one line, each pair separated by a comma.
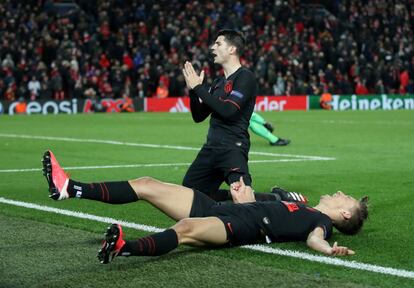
[(373, 152)]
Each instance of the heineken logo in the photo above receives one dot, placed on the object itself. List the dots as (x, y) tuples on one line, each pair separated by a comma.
[(380, 102)]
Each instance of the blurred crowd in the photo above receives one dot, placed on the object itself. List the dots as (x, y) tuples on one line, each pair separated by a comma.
[(121, 48)]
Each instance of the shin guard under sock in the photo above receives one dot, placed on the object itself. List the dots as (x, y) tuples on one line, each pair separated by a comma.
[(110, 192), (153, 245)]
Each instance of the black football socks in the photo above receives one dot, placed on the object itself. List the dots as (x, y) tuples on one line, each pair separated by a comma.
[(119, 192), (153, 245)]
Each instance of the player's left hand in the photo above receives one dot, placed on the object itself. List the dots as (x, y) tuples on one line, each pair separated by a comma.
[(192, 79), (340, 250)]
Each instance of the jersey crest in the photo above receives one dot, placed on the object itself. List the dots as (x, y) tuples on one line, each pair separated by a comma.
[(291, 206), (228, 86)]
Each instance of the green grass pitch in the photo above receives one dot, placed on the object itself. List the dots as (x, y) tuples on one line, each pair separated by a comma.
[(373, 155)]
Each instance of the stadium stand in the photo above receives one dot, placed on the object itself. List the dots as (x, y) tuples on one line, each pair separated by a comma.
[(115, 48)]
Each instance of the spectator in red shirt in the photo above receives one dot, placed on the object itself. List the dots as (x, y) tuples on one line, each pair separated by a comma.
[(361, 88)]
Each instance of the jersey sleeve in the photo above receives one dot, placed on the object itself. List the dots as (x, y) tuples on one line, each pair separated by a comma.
[(244, 88), (326, 224), (199, 111), (225, 109)]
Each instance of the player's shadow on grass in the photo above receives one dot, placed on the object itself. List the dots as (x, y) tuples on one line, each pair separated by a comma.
[(132, 262)]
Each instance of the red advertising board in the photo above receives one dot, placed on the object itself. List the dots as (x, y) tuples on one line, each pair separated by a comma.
[(280, 103), (263, 103), (70, 106), (179, 104)]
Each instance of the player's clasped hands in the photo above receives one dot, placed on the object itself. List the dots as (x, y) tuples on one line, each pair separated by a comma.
[(192, 79), (241, 193)]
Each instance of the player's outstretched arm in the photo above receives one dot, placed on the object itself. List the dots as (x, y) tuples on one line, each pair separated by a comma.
[(317, 242)]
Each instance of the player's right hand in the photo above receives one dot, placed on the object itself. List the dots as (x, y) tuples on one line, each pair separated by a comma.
[(340, 250)]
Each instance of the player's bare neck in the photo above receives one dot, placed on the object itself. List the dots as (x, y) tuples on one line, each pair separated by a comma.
[(230, 67), (331, 213)]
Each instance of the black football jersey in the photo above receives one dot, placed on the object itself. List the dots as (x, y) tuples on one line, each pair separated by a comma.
[(280, 221), (230, 102), (288, 221)]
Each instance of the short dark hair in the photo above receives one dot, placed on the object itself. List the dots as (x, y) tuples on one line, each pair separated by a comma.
[(235, 38), (354, 224)]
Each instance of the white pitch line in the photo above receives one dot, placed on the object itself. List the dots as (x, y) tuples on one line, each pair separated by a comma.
[(293, 156), (80, 215), (146, 165), (352, 122), (99, 167), (260, 248), (112, 142), (291, 160), (333, 261)]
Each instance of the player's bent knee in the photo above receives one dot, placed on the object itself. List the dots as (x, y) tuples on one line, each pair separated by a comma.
[(143, 180), (185, 230), (142, 185), (201, 231), (184, 227)]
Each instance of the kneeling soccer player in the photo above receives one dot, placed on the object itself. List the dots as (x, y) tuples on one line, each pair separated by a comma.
[(202, 221)]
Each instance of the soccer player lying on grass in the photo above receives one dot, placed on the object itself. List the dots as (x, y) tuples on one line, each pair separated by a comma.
[(202, 221)]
